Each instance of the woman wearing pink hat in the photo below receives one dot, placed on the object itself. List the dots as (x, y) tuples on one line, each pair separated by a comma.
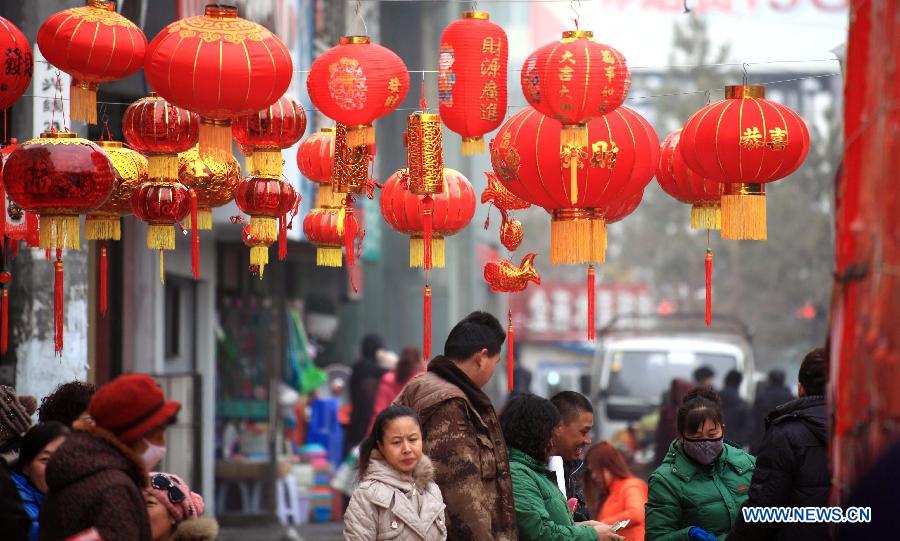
[(175, 511)]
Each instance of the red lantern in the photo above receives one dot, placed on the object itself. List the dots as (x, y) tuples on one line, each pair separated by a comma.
[(265, 200), (19, 65), (454, 207), (472, 78), (161, 205), (130, 168), (679, 181), (213, 179), (93, 44), (265, 133), (620, 161), (323, 228), (315, 156), (575, 80), (219, 66), (355, 83), (744, 141), (15, 223)]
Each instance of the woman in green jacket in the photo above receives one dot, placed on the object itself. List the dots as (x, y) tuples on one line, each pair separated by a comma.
[(697, 491), (528, 423)]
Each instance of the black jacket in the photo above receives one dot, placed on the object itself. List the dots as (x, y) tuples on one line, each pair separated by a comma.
[(363, 386), (766, 401), (791, 471), (738, 423), (574, 473)]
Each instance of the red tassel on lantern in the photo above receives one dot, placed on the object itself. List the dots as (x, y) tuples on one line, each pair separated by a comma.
[(4, 321), (590, 306), (427, 227), (349, 233), (195, 234), (282, 237), (58, 299), (426, 323), (709, 266), (510, 354), (103, 271)]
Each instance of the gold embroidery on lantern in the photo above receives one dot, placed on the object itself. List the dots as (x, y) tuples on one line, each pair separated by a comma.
[(91, 14), (567, 56), (232, 30), (607, 57), (610, 73), (491, 45), (347, 84), (778, 139), (751, 139), (490, 67), (572, 151), (604, 154), (394, 89), (565, 73), (489, 91), (488, 111)]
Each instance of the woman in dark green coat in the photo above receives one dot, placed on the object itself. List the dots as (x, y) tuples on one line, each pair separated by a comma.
[(528, 423), (697, 491)]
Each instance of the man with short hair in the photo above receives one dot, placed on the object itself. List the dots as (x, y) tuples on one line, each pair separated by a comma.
[(736, 410), (572, 438), (792, 466), (462, 433), (704, 376)]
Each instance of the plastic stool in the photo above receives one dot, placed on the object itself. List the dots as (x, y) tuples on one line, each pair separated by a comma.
[(288, 505)]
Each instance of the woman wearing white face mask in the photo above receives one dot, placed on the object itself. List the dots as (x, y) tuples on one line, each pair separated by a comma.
[(96, 478)]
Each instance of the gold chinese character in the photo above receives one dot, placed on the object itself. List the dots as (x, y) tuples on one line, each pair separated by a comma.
[(778, 139), (391, 100), (607, 56), (607, 91), (564, 92), (567, 56), (571, 152), (566, 108), (565, 73), (489, 91), (751, 139), (603, 154), (490, 67), (488, 111), (610, 73), (394, 85), (491, 45)]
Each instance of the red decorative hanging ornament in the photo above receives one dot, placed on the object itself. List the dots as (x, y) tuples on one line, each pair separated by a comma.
[(495, 194), (213, 179), (267, 132), (322, 227), (58, 176), (425, 168), (315, 156), (262, 259), (472, 69), (265, 200), (708, 266), (355, 83), (15, 223), (679, 181), (19, 64), (161, 130), (94, 44), (744, 142), (349, 177), (220, 66), (5, 279)]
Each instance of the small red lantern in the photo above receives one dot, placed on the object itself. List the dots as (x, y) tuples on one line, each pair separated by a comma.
[(131, 170), (679, 181), (219, 66), (161, 205), (315, 156), (744, 141), (265, 200), (454, 208), (266, 132), (213, 179), (472, 78), (93, 44), (19, 64), (355, 83), (323, 228)]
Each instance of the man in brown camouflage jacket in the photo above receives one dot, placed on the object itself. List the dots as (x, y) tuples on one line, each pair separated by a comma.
[(462, 433)]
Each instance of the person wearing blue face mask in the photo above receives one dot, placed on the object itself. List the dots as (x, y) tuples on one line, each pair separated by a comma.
[(697, 492)]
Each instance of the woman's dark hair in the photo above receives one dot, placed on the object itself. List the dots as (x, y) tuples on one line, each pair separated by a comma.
[(408, 366), (602, 456), (376, 435), (66, 403), (37, 438), (527, 422), (699, 405)]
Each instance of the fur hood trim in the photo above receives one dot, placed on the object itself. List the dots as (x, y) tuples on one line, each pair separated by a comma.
[(199, 529)]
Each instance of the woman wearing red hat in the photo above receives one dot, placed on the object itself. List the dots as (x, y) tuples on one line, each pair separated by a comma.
[(96, 478)]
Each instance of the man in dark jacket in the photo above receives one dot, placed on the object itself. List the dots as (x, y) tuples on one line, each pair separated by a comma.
[(462, 433), (774, 394), (792, 467), (571, 440), (363, 387), (736, 410)]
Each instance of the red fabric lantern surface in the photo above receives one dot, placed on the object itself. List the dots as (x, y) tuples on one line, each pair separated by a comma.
[(19, 64), (454, 208), (265, 200), (679, 181), (323, 227), (620, 161), (219, 66), (356, 82), (94, 45), (472, 66), (15, 223), (315, 156), (744, 141), (266, 132), (574, 80)]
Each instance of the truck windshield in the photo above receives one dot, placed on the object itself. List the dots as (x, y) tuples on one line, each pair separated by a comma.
[(647, 374)]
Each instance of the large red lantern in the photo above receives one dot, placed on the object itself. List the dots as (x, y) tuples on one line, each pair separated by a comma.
[(315, 156), (355, 83), (454, 208), (219, 66), (265, 133), (19, 64), (744, 141), (679, 181), (323, 227), (620, 161), (93, 44), (472, 78), (58, 176), (574, 80), (266, 200)]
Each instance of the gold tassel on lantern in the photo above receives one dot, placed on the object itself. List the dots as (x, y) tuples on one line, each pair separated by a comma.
[(267, 163), (598, 238), (706, 215), (329, 256), (571, 235), (417, 252), (204, 219), (215, 137), (744, 212), (264, 227), (60, 232), (161, 237), (102, 227), (472, 145), (259, 256), (163, 166), (83, 106)]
